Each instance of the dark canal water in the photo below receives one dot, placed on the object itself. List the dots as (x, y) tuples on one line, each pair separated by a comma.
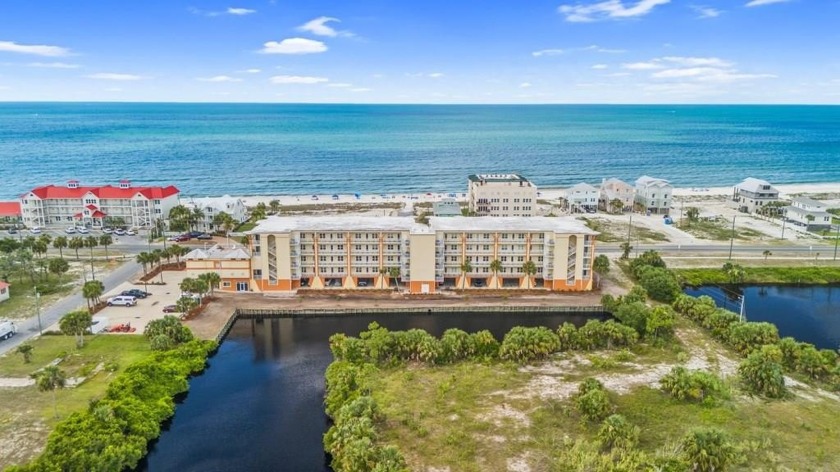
[(810, 314), (258, 407)]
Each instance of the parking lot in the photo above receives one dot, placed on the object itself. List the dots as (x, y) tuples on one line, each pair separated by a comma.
[(147, 309)]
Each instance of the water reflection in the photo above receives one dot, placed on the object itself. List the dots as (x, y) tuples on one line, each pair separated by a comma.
[(259, 404)]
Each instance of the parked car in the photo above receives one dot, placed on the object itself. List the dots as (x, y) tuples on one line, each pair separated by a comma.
[(7, 329), (194, 234), (35, 230), (137, 293), (70, 230), (107, 230), (170, 309), (362, 283), (82, 230), (122, 300), (204, 236), (179, 238), (12, 231), (120, 232), (131, 232)]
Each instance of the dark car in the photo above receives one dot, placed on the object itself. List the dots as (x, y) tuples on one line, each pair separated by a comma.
[(136, 293), (204, 236), (170, 309), (194, 234), (180, 238)]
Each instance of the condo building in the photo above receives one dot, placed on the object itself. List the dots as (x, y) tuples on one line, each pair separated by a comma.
[(74, 204), (501, 195), (322, 252), (211, 207)]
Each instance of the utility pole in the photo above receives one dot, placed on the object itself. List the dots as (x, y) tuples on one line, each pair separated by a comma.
[(732, 238), (784, 221), (836, 240), (38, 310)]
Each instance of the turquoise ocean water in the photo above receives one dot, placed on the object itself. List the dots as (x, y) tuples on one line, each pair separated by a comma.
[(257, 149)]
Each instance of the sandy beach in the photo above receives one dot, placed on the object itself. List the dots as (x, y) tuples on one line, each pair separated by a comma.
[(786, 190)]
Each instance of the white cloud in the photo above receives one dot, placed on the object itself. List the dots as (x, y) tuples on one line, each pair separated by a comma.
[(618, 74), (53, 65), (294, 46), (340, 85), (319, 27), (708, 74), (230, 11), (608, 9), (297, 79), (240, 11), (597, 48), (113, 76), (36, 49), (642, 65), (219, 78), (436, 75), (704, 12), (249, 71), (600, 66), (547, 52), (525, 85), (361, 89), (696, 61), (758, 3)]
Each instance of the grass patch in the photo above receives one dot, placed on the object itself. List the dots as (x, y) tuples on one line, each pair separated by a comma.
[(21, 302), (613, 232), (718, 231), (26, 415), (784, 275)]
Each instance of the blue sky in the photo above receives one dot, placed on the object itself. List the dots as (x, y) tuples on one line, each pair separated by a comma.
[(434, 51)]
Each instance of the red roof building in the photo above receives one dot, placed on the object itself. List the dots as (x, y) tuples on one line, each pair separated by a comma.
[(75, 204), (10, 211)]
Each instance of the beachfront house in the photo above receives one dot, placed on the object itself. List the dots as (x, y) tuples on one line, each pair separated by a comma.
[(581, 198), (232, 263), (10, 213), (616, 196), (77, 205), (501, 195), (808, 213), (653, 195), (446, 207), (4, 291), (337, 252), (212, 206), (752, 195)]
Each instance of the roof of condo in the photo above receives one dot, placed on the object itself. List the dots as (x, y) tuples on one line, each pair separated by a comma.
[(219, 252), (288, 224), (752, 184), (497, 178)]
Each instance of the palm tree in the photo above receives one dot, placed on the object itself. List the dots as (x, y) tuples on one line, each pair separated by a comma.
[(178, 252), (496, 267), (466, 267), (616, 205), (76, 243), (212, 279), (167, 254), (40, 248), (48, 379), (90, 243), (529, 269), (383, 272), (394, 273), (195, 217), (625, 250), (60, 243), (601, 267), (92, 290), (155, 258), (25, 350), (692, 213), (145, 259), (767, 253), (179, 218), (258, 213), (275, 206), (106, 240)]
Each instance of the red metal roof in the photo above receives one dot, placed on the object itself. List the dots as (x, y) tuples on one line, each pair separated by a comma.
[(107, 192), (91, 207), (4, 284), (98, 214), (11, 209)]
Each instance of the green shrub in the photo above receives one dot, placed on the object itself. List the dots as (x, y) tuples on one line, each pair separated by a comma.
[(608, 334), (456, 345), (170, 327), (762, 374), (684, 384), (617, 432), (748, 336), (708, 450), (523, 344), (567, 333), (592, 401), (486, 345)]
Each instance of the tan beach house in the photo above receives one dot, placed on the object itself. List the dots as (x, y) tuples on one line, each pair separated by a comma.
[(340, 252), (752, 195), (501, 195), (615, 190)]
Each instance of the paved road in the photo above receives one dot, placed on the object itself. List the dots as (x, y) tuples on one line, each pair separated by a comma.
[(826, 251), (50, 315)]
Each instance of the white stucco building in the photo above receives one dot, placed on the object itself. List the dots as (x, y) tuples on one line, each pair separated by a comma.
[(752, 195), (581, 197), (810, 213), (212, 206), (501, 195), (653, 195)]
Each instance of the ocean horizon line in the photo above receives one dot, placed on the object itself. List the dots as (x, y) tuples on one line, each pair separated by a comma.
[(606, 104)]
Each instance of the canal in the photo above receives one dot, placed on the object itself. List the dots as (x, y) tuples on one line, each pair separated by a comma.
[(259, 406), (810, 314)]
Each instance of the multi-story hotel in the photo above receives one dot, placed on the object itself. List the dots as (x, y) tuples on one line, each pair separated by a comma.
[(318, 252), (74, 204), (501, 195)]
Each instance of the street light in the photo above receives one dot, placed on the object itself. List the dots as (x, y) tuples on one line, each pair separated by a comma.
[(38, 310)]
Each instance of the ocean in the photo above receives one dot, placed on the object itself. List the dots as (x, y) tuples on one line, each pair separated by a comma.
[(270, 149)]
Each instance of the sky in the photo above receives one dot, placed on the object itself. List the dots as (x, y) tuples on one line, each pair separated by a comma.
[(431, 51)]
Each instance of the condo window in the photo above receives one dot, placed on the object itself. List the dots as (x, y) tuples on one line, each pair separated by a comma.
[(257, 273)]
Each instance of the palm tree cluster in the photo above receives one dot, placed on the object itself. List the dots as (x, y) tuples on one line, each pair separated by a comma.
[(150, 259), (182, 218), (224, 221)]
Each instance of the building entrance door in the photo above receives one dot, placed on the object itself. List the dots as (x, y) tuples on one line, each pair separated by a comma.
[(241, 286)]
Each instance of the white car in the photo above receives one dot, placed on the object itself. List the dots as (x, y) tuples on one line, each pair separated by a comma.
[(131, 232), (122, 300), (107, 230), (35, 230), (7, 329), (70, 230), (82, 230)]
